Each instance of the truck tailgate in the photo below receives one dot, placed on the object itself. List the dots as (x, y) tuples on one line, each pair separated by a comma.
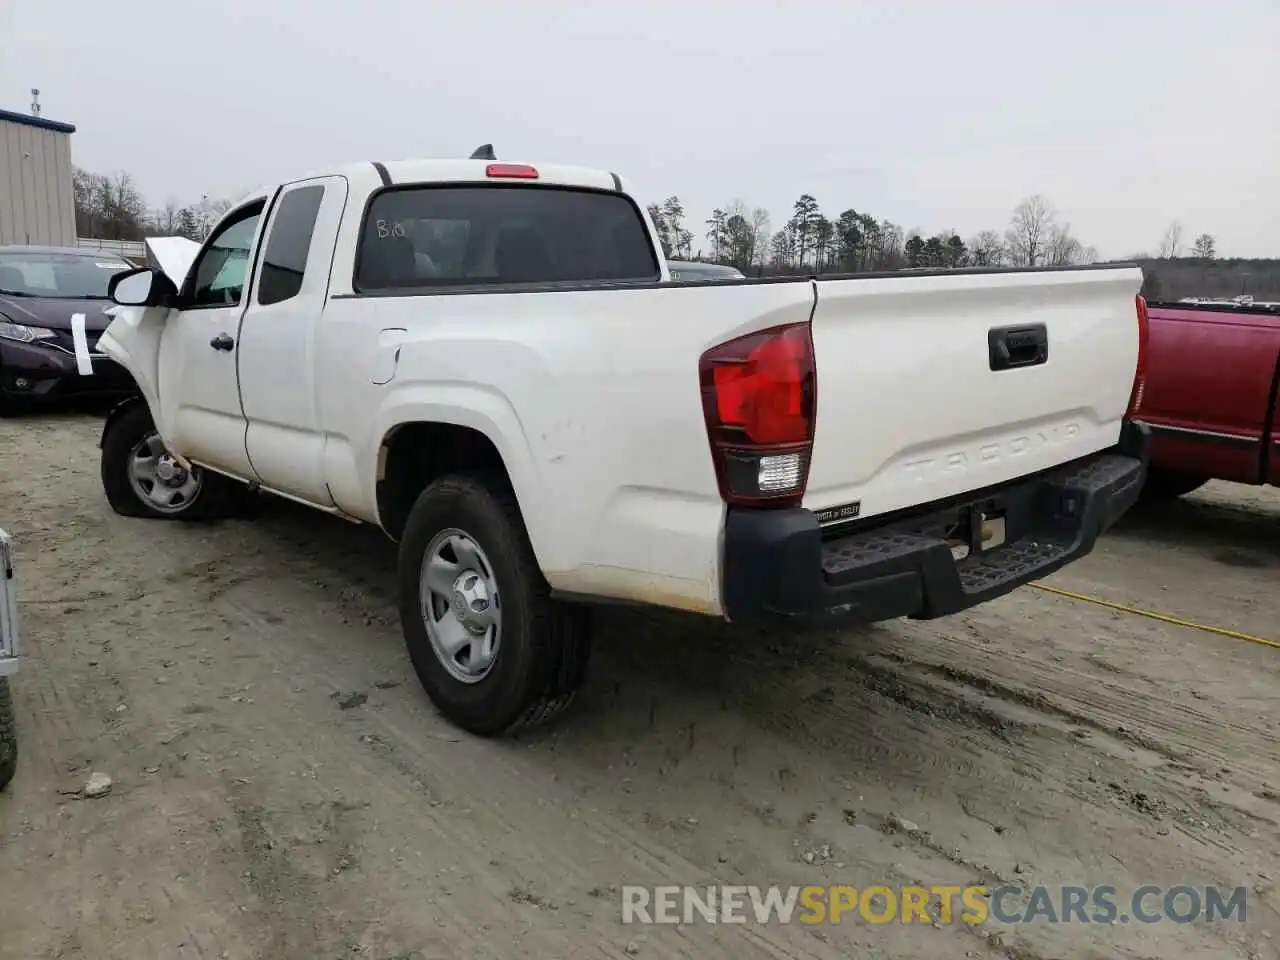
[(917, 400)]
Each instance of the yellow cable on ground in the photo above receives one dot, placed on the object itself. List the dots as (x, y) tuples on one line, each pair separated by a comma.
[(1220, 631)]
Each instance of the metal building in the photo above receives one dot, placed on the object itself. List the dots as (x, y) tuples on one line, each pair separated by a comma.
[(37, 205)]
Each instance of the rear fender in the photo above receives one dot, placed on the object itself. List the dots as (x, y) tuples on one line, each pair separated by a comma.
[(487, 412)]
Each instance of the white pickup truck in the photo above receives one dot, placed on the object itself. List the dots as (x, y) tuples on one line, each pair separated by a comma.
[(490, 361)]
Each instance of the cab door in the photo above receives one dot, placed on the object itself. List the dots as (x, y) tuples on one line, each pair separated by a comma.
[(277, 339), (198, 387)]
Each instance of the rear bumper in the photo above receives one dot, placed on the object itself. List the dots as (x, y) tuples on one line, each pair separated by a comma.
[(41, 372), (779, 566)]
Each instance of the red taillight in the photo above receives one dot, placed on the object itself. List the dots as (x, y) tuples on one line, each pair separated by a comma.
[(1140, 373), (759, 397), (513, 171)]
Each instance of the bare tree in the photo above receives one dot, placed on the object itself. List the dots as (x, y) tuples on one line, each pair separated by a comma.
[(165, 221), (1171, 242), (760, 233), (986, 250), (1029, 230), (208, 212), (737, 237), (108, 208), (782, 248), (1062, 249), (1204, 248)]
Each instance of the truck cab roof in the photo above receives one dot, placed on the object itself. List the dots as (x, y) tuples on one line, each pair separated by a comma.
[(454, 170)]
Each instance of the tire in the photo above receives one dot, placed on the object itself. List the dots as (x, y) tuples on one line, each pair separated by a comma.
[(1167, 484), (14, 406), (213, 495), (539, 657), (8, 736)]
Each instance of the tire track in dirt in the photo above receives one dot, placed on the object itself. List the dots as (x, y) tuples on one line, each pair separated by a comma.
[(283, 894), (276, 822)]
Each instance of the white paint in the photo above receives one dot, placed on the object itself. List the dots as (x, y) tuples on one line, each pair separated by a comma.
[(173, 255), (592, 399), (84, 362), (388, 354), (909, 410)]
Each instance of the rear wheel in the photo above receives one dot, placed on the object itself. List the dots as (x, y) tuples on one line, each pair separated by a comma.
[(494, 652), (1166, 484), (8, 736), (142, 479)]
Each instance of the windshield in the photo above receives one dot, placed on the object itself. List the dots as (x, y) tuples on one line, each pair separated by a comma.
[(64, 276)]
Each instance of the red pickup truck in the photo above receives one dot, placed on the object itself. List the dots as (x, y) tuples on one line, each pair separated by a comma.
[(1212, 391)]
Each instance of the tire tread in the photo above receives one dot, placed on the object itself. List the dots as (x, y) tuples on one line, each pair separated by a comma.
[(8, 735), (559, 632), (218, 496)]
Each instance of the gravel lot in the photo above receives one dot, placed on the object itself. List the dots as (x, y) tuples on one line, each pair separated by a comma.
[(281, 787)]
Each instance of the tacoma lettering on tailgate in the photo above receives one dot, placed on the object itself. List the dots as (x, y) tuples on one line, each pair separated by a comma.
[(959, 461)]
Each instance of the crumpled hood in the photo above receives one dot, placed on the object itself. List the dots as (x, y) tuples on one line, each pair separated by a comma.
[(173, 255), (54, 313)]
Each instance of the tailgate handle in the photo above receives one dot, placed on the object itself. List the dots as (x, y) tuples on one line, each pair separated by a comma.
[(1012, 347)]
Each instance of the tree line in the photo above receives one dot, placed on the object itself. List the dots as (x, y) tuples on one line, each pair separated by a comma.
[(853, 242), (113, 208), (1175, 270)]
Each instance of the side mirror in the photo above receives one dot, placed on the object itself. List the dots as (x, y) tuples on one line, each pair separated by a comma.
[(143, 287)]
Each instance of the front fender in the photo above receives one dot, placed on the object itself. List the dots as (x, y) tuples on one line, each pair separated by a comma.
[(132, 339), (487, 411)]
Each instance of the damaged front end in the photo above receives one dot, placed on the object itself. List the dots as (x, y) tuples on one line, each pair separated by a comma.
[(133, 338)]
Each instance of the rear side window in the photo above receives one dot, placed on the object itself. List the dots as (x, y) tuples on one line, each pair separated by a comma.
[(434, 236), (285, 259)]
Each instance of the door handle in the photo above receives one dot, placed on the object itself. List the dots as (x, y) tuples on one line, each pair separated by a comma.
[(1011, 347), (222, 342)]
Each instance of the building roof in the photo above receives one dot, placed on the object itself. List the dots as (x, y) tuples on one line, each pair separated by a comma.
[(39, 122)]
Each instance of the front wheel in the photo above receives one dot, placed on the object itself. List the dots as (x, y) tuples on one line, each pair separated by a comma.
[(142, 479), (8, 736), (494, 652)]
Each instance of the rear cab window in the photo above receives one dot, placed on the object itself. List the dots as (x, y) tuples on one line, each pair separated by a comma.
[(440, 235)]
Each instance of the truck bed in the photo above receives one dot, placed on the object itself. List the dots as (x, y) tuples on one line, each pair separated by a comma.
[(1213, 391)]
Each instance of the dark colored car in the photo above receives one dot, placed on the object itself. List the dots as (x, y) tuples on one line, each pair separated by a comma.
[(53, 304)]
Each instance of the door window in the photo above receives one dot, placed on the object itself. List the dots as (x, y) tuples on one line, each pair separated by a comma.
[(289, 243), (223, 266)]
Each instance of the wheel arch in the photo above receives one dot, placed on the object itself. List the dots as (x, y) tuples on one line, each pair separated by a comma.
[(412, 453), (119, 410)]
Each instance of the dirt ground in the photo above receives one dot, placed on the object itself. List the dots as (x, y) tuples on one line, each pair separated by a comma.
[(282, 788)]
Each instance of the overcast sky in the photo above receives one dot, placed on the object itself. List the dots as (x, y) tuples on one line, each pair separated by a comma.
[(929, 113)]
